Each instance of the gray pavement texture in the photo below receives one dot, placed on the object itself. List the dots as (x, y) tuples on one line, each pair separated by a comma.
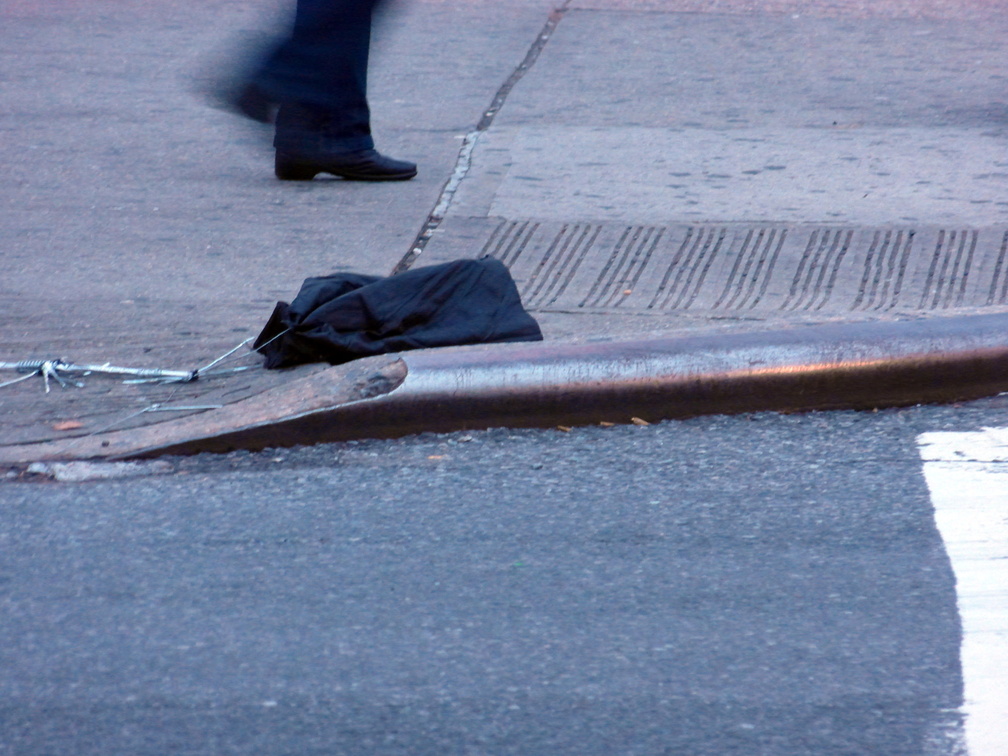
[(670, 589), (642, 167)]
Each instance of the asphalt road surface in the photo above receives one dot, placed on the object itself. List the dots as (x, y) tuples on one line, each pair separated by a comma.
[(761, 584)]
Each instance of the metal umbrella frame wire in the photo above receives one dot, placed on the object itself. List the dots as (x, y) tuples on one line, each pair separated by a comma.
[(52, 369), (59, 370)]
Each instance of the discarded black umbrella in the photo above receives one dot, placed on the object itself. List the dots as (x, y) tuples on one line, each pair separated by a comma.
[(345, 316)]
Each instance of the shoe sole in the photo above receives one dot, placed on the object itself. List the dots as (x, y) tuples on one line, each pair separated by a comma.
[(291, 171)]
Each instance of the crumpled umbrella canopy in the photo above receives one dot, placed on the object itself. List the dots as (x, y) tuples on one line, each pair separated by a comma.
[(345, 316)]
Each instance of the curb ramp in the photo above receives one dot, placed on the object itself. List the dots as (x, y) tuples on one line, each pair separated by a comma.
[(820, 367)]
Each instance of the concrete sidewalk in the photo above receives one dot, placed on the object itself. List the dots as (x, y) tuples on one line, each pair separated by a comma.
[(641, 166)]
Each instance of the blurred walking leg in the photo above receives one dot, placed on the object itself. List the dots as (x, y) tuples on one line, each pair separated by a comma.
[(318, 75)]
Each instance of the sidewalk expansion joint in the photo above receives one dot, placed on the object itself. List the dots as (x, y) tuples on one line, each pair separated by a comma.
[(464, 161)]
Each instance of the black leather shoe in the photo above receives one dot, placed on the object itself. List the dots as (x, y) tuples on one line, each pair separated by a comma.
[(363, 165)]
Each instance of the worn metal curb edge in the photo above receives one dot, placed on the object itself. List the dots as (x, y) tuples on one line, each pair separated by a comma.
[(831, 366)]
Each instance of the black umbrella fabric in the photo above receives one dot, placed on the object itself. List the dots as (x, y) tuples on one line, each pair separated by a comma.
[(345, 316)]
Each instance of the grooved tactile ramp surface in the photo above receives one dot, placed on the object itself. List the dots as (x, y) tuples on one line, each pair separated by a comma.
[(750, 268)]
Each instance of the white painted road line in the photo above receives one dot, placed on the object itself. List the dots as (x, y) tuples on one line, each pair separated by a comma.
[(967, 474)]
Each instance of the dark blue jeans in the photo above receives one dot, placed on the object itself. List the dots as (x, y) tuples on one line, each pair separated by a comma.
[(319, 76)]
